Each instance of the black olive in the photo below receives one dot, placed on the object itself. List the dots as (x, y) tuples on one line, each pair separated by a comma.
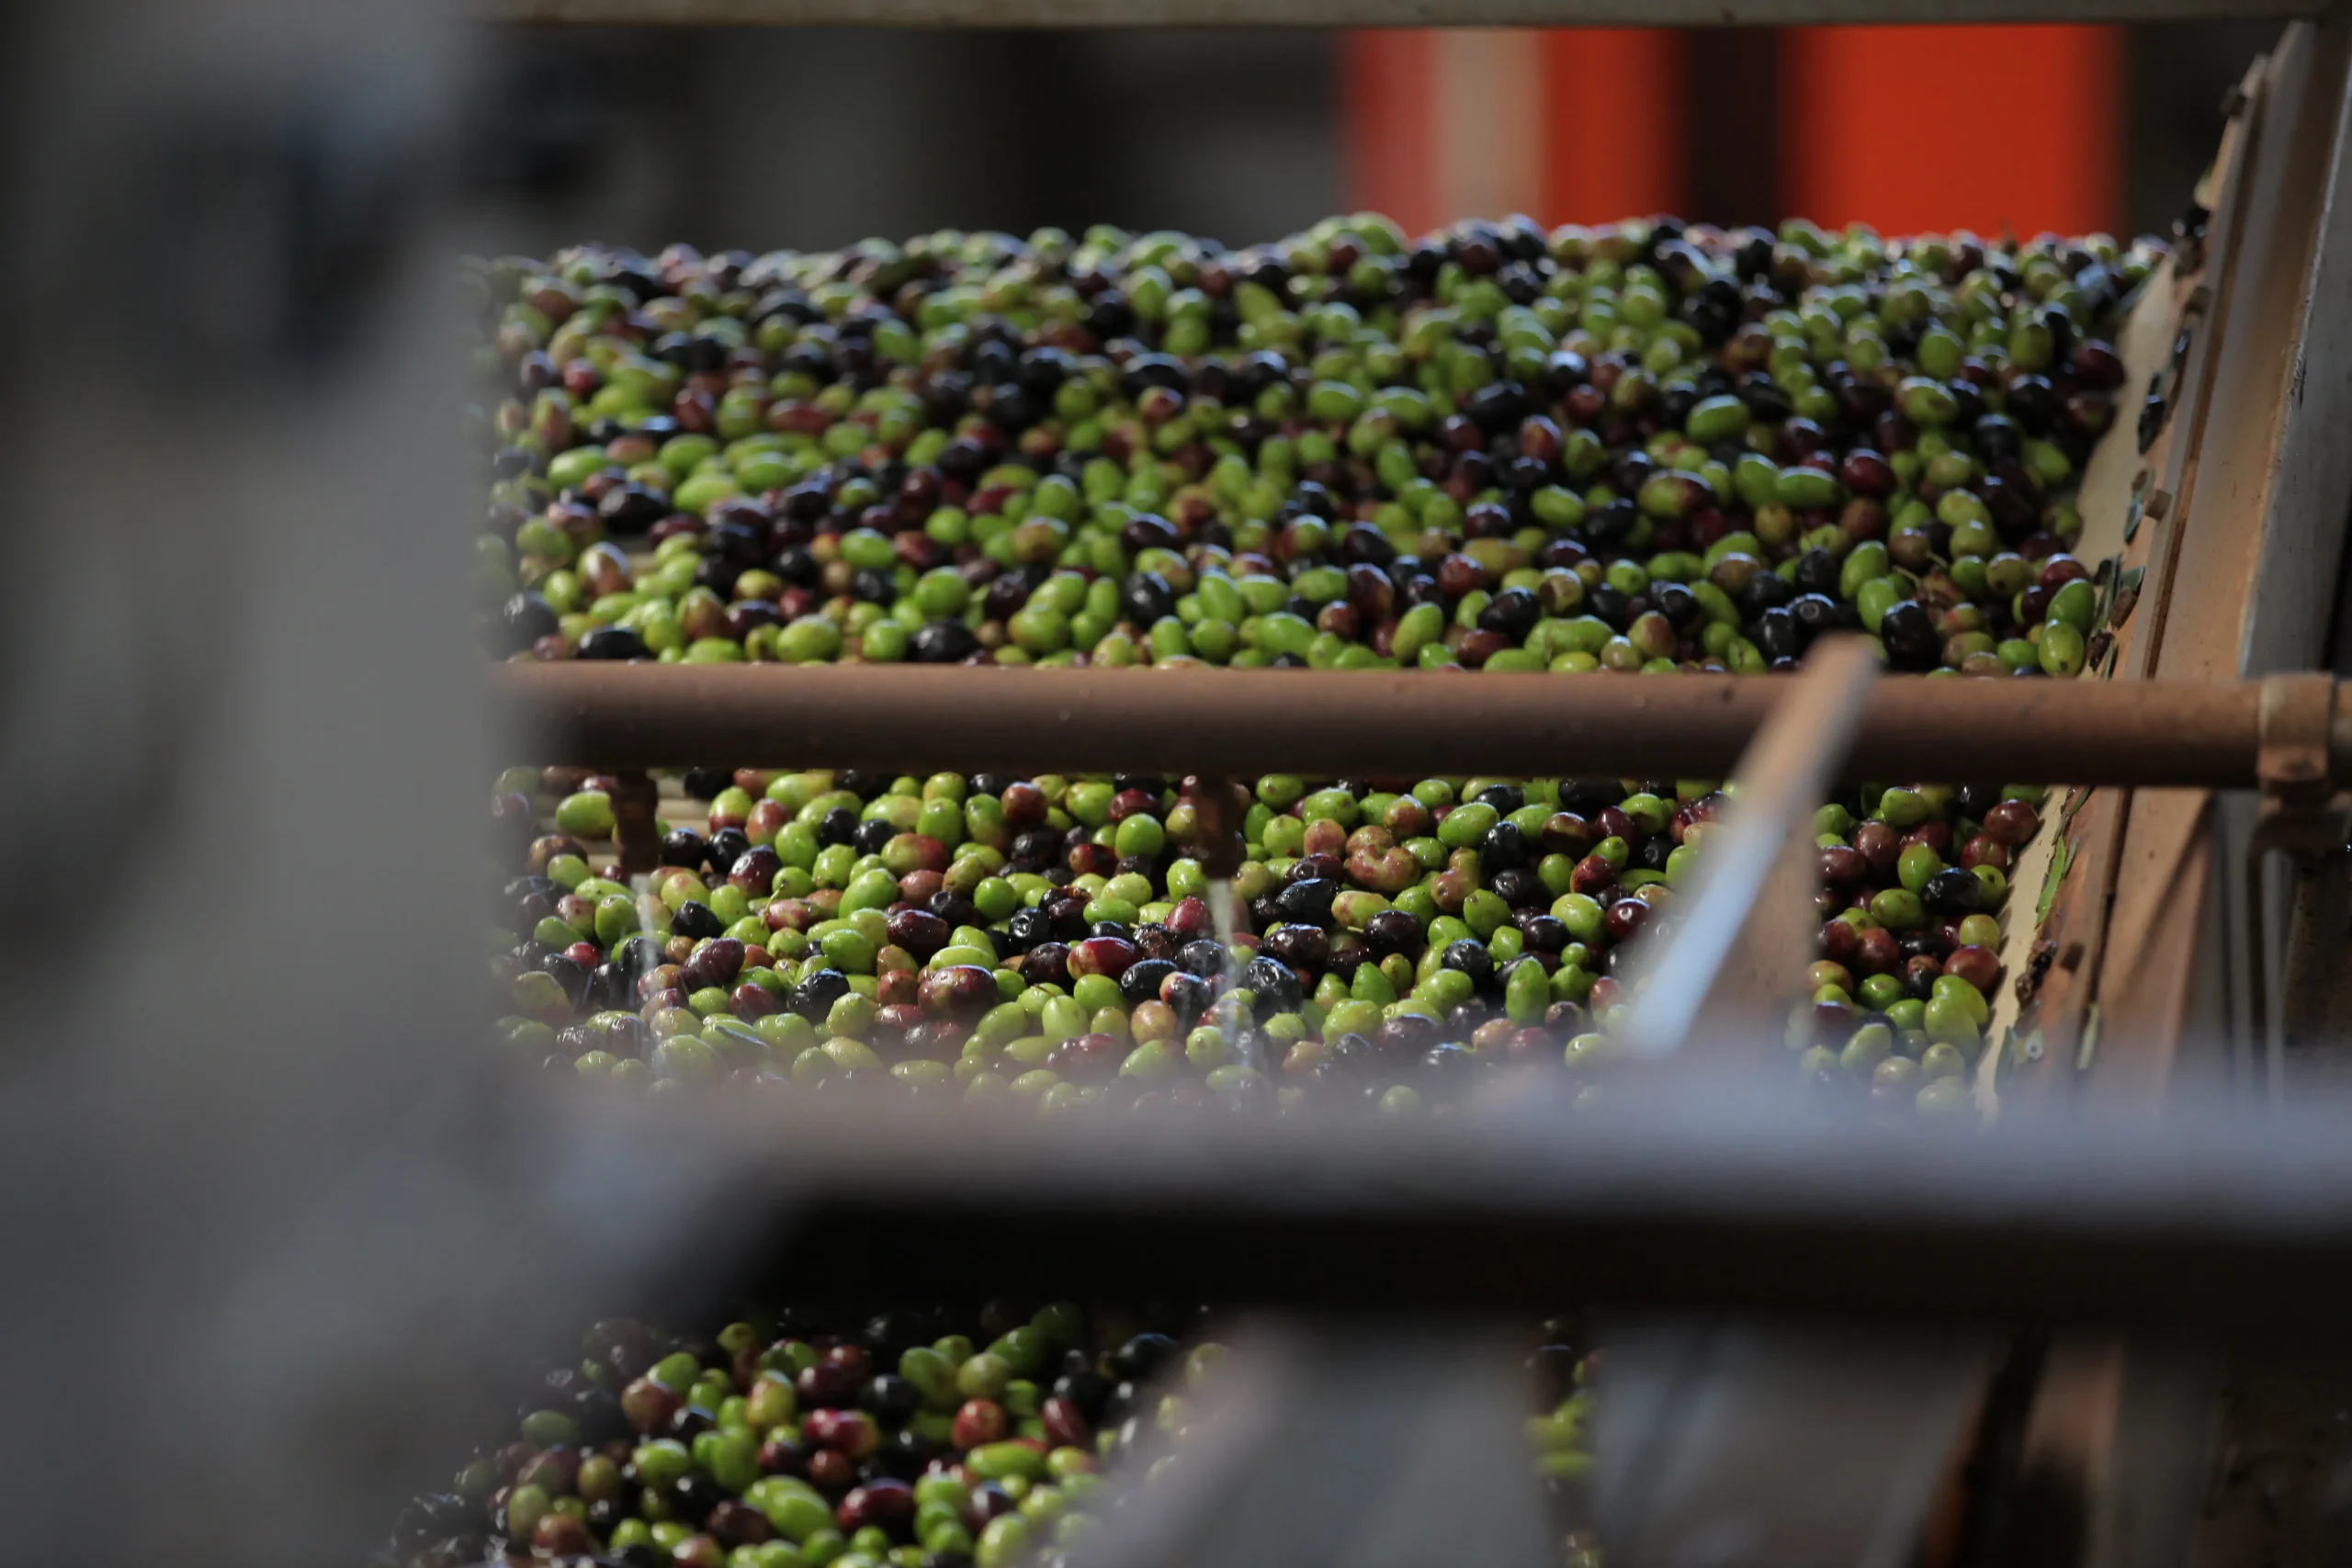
[(695, 920)]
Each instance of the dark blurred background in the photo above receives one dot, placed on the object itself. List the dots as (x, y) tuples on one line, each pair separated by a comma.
[(760, 138)]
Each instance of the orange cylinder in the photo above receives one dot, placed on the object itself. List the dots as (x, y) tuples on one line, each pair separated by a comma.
[(1994, 128), (1613, 124)]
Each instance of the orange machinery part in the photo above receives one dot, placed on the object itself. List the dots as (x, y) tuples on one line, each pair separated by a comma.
[(1905, 128), (1612, 124), (1389, 95), (1994, 128)]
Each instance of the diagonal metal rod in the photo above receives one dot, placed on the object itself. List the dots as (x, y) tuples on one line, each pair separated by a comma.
[(1745, 927), (1711, 1453), (1321, 1443)]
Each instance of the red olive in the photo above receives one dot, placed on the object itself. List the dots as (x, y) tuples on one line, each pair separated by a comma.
[(649, 1405), (1106, 956), (1065, 1426), (1985, 850), (884, 1502), (1592, 876), (979, 1421), (1980, 966), (962, 990), (1840, 942), (1879, 953), (2011, 822)]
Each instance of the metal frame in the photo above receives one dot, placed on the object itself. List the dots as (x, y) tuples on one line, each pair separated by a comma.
[(1367, 13), (2243, 495), (239, 1234), (256, 1187)]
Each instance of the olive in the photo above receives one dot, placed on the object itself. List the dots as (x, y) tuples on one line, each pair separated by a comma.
[(1303, 948), (1952, 891), (942, 642), (1817, 572), (920, 931), (1470, 958), (1047, 964), (1503, 847), (526, 619), (1522, 889), (890, 1399), (695, 919), (1140, 981), (1393, 932), (1141, 1357), (1027, 928), (1146, 598), (1308, 901), (1814, 614), (1274, 983), (1910, 636), (1764, 592), (957, 910), (958, 492), (1512, 613), (818, 992), (1203, 957)]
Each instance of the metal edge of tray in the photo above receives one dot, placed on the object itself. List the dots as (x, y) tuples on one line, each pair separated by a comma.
[(2274, 455), (2045, 1020), (1364, 13), (2260, 535), (2151, 934)]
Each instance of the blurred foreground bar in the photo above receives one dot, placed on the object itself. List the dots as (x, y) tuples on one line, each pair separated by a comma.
[(2217, 1224)]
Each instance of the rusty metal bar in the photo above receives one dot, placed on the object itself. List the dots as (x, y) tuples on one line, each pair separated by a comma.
[(1342, 724)]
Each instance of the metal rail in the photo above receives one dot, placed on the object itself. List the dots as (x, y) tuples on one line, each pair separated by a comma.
[(1344, 724), (1719, 1192), (1366, 13)]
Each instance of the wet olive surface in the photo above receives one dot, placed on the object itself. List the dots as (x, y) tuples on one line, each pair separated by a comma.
[(1644, 447), (937, 1439), (1392, 946), (1640, 448), (1055, 940)]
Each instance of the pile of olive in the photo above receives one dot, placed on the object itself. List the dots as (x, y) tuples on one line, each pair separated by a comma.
[(1058, 938), (902, 1439), (1642, 447)]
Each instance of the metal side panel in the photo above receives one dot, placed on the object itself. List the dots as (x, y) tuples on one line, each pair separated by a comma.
[(2262, 530), (1738, 1442), (1323, 1443)]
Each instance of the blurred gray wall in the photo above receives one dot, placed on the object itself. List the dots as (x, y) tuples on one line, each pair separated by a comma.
[(757, 138), (2174, 80), (760, 138)]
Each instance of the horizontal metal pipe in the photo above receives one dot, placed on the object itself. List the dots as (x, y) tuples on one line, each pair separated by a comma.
[(1354, 724)]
